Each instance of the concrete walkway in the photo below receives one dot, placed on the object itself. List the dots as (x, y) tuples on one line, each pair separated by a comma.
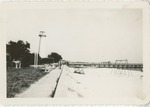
[(42, 88)]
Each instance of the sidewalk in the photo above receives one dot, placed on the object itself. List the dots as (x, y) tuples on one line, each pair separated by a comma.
[(42, 88)]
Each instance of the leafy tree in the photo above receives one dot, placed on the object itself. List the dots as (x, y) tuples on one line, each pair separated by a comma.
[(55, 57), (19, 51), (46, 61), (28, 59)]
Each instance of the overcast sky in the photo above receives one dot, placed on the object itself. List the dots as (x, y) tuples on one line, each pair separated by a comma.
[(80, 34)]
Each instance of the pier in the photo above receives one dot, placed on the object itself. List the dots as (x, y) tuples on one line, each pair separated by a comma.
[(133, 66)]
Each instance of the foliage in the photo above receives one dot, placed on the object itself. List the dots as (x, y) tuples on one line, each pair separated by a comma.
[(20, 79), (27, 60), (55, 57), (19, 51), (45, 61)]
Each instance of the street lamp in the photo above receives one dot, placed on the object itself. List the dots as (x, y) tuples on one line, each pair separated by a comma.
[(40, 35)]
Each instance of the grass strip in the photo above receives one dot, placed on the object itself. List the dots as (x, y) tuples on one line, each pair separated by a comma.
[(20, 79)]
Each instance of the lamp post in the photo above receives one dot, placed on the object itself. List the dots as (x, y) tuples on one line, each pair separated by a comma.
[(40, 35)]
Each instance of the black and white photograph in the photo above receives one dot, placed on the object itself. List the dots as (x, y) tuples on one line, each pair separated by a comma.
[(71, 52)]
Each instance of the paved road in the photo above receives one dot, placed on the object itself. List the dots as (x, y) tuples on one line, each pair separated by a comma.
[(42, 88)]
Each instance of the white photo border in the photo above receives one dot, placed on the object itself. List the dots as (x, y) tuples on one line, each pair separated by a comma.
[(61, 5)]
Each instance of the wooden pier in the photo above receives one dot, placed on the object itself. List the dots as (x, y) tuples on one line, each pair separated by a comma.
[(130, 66)]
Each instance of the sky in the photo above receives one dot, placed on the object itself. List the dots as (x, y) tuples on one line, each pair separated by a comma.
[(94, 35)]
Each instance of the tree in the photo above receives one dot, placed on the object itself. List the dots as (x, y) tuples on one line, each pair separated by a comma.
[(28, 59), (55, 57), (19, 51), (45, 61)]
